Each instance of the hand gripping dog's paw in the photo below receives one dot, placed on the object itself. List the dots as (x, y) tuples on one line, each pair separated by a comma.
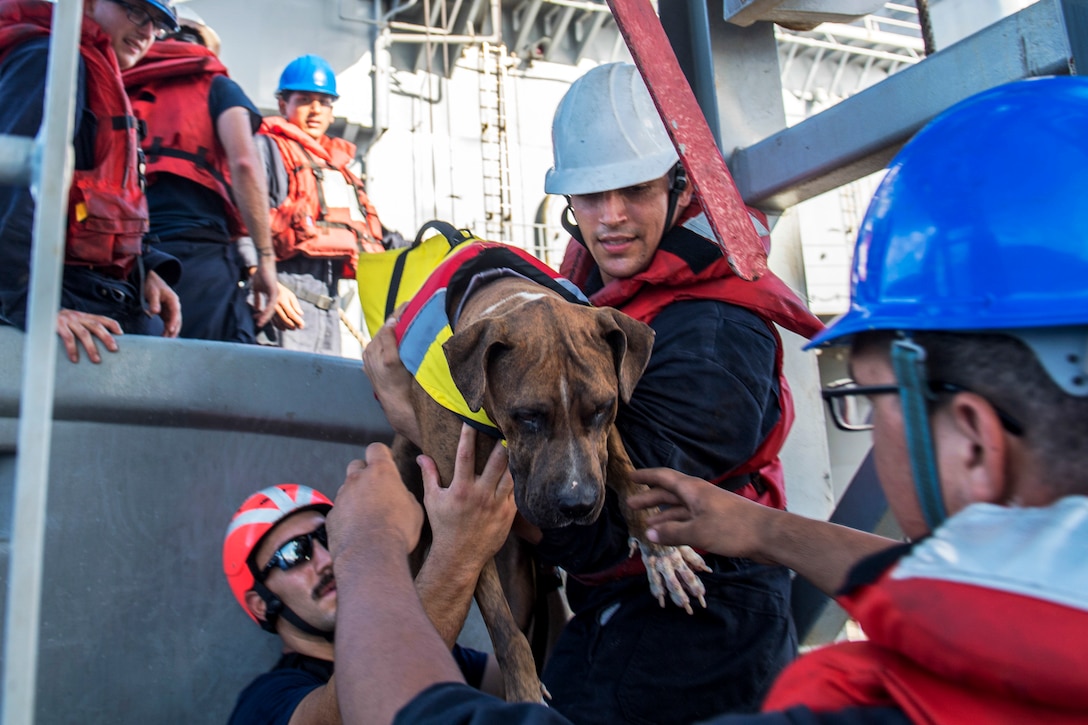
[(672, 568)]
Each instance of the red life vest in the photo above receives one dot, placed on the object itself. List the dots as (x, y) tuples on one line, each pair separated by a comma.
[(983, 622), (169, 89), (303, 224), (687, 266), (107, 211)]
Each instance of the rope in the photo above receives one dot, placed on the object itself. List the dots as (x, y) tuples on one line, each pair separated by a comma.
[(927, 26)]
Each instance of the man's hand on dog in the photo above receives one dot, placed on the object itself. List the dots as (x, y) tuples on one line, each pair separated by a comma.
[(391, 381), (697, 513), (374, 507), (473, 515)]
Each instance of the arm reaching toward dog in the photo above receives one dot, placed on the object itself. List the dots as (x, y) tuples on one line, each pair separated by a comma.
[(378, 511), (470, 521), (372, 528), (706, 517)]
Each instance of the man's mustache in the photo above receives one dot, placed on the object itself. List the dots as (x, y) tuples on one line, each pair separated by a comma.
[(329, 578)]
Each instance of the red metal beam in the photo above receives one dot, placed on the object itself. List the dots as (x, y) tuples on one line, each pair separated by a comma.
[(687, 127)]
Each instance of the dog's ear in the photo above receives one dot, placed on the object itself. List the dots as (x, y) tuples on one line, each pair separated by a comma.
[(468, 352), (631, 342)]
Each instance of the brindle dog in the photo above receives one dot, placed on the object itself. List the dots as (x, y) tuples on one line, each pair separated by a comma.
[(550, 374)]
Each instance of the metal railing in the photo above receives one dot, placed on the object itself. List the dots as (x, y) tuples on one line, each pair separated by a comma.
[(46, 164)]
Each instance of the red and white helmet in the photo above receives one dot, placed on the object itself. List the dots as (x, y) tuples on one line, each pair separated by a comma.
[(253, 520)]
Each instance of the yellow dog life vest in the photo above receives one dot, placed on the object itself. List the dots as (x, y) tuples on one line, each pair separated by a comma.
[(389, 279), (429, 319)]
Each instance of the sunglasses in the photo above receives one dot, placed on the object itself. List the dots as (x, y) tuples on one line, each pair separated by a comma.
[(296, 551)]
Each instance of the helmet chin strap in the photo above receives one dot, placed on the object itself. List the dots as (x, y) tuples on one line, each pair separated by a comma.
[(677, 184), (908, 362), (275, 608), (571, 224)]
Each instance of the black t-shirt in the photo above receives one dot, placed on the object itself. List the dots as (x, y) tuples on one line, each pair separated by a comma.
[(271, 699), (183, 209)]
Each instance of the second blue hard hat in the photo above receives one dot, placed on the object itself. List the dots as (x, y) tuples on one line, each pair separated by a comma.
[(979, 224), (310, 73)]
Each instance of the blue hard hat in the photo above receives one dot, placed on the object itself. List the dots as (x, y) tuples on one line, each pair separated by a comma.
[(980, 224), (310, 73), (166, 7)]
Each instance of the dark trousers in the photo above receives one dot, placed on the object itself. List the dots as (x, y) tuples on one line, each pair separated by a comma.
[(624, 659), (213, 289), (86, 290)]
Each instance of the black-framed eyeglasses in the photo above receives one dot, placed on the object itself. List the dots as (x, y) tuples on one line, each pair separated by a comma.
[(140, 17), (851, 409), (295, 551)]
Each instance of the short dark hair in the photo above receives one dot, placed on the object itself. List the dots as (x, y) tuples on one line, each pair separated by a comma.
[(1005, 371), (188, 34)]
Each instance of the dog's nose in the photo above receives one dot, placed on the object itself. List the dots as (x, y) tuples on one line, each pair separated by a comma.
[(577, 501)]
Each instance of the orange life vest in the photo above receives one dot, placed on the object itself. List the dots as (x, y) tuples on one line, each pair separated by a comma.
[(169, 91), (107, 211), (303, 224)]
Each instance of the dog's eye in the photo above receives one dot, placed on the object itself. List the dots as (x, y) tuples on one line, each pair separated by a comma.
[(602, 413), (529, 421)]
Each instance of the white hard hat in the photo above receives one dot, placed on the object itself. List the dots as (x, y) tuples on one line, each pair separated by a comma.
[(607, 135), (189, 18)]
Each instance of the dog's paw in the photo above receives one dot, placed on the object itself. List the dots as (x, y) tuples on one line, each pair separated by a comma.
[(672, 569)]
